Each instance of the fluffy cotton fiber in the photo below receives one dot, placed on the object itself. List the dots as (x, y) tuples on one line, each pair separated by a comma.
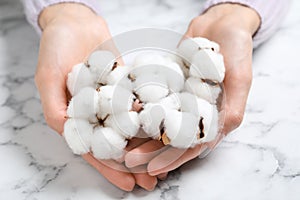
[(178, 95)]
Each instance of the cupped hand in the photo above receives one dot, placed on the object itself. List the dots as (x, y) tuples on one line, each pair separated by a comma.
[(70, 33), (232, 26)]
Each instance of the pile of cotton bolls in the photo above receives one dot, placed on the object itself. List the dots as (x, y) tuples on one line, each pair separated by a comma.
[(176, 96)]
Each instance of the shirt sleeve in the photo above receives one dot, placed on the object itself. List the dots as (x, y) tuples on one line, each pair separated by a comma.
[(33, 8), (271, 13)]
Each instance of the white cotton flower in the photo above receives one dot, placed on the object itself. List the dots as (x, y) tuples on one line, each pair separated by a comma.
[(172, 101), (210, 122), (78, 78), (125, 123), (202, 89), (207, 64), (204, 111), (204, 43), (151, 87), (188, 47), (144, 59), (107, 144), (181, 129), (177, 59), (151, 118), (77, 133), (100, 64), (114, 99), (193, 104), (120, 76), (84, 104), (174, 76)]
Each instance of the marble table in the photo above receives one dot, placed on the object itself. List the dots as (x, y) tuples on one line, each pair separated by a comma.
[(260, 160)]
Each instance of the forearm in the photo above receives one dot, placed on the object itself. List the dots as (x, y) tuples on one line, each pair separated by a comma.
[(271, 14), (34, 8)]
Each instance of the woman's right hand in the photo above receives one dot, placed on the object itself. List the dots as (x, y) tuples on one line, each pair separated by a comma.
[(71, 32)]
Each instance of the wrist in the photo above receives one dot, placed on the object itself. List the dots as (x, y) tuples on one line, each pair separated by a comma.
[(234, 15), (66, 12)]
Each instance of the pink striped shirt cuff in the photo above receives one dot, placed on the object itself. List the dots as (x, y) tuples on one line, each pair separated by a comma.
[(271, 13), (33, 8)]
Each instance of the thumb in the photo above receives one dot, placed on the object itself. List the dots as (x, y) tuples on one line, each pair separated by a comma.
[(53, 96)]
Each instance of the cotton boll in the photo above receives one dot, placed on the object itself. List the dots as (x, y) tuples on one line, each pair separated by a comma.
[(190, 46), (150, 119), (122, 100), (125, 123), (77, 133), (171, 58), (203, 110), (204, 43), (107, 144), (119, 76), (84, 104), (207, 64), (202, 89), (148, 63), (100, 64), (174, 76), (210, 122), (177, 59), (114, 99), (181, 129), (78, 78), (186, 49), (149, 59), (172, 101), (151, 87)]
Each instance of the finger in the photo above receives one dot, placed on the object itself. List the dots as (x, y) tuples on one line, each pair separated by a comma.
[(143, 179), (144, 153), (54, 99), (172, 159), (135, 142), (132, 143), (162, 176), (122, 179)]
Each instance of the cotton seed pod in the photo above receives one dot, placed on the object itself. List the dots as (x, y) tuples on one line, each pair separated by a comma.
[(205, 112), (125, 123), (210, 120), (177, 59), (181, 129), (120, 76), (114, 99), (151, 87), (207, 64), (172, 101), (150, 119), (77, 133), (84, 104), (78, 78), (149, 59), (107, 143), (193, 104), (174, 76), (203, 90), (190, 46), (100, 64), (204, 43)]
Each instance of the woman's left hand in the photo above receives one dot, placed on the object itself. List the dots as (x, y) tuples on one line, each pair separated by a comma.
[(232, 27)]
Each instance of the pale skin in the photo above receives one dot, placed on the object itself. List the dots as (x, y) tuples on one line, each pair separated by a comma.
[(71, 31)]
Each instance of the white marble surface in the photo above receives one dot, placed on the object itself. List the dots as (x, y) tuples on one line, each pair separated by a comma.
[(261, 160)]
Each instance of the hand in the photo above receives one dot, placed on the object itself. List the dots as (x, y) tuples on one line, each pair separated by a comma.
[(70, 32), (232, 26)]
